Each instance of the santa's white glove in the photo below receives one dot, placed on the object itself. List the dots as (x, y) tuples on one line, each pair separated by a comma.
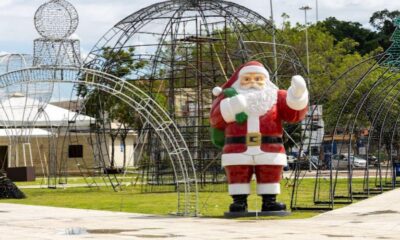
[(232, 106), (297, 97)]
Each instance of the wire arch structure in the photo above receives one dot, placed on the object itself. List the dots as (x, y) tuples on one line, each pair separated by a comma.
[(14, 61), (143, 104), (365, 124)]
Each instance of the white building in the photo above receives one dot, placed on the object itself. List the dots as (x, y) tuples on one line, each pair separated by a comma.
[(33, 134)]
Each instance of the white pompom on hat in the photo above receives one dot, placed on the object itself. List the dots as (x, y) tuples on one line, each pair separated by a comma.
[(217, 91)]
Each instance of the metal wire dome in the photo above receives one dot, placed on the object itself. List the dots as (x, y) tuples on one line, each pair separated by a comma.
[(189, 47), (226, 31)]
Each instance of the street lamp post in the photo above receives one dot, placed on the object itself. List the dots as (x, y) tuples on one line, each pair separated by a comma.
[(274, 45), (316, 10), (305, 9)]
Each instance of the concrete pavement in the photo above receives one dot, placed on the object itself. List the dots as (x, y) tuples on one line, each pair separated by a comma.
[(374, 218)]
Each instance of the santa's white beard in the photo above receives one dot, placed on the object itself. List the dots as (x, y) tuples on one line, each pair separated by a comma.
[(259, 101)]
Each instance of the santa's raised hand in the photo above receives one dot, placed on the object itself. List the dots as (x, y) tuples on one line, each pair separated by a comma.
[(297, 97)]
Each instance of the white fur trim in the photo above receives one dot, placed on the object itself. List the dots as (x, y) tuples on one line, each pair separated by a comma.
[(217, 91), (253, 151), (239, 188), (279, 159), (268, 188), (268, 83), (254, 69), (234, 159), (262, 158), (232, 106), (296, 103), (253, 123)]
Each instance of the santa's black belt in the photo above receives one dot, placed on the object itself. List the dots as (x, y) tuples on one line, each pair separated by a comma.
[(253, 140)]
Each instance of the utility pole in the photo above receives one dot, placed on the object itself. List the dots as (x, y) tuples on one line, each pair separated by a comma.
[(305, 9), (274, 45), (316, 10)]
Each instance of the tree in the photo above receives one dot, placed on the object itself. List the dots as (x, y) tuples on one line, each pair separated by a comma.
[(284, 17), (329, 59), (367, 40), (383, 21)]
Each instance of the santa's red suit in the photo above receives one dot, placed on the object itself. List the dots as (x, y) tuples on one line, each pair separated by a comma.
[(255, 146)]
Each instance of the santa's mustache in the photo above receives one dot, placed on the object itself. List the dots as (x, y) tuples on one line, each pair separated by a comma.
[(252, 86), (251, 90)]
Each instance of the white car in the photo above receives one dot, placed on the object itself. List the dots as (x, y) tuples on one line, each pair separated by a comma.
[(341, 161), (291, 159), (290, 162)]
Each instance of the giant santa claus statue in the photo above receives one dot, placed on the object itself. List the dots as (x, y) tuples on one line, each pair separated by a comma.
[(246, 121)]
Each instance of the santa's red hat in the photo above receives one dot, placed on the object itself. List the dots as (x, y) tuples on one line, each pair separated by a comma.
[(250, 67)]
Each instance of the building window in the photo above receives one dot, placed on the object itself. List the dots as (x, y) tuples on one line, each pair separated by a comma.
[(75, 151)]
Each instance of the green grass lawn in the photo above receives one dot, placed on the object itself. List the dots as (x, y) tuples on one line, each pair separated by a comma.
[(213, 199), (75, 180)]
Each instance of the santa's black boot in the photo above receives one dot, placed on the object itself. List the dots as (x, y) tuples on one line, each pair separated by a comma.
[(239, 203), (269, 203)]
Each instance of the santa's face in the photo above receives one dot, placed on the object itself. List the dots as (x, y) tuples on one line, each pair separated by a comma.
[(252, 80), (260, 97)]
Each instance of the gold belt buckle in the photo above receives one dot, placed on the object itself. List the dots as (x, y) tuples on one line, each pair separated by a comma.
[(253, 139)]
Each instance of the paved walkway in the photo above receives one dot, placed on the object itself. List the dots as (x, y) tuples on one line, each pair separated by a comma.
[(375, 218)]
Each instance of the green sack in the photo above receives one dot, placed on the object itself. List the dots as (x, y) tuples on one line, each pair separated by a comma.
[(217, 137)]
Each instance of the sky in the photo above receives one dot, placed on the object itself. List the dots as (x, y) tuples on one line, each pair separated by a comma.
[(17, 30), (97, 16)]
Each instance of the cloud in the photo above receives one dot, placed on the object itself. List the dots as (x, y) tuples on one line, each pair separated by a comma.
[(5, 3), (98, 16)]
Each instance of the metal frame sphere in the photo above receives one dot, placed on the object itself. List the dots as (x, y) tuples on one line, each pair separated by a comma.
[(56, 19)]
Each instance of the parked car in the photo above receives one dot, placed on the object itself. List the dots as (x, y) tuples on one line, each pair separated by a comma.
[(303, 162), (372, 160), (341, 161), (291, 161)]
